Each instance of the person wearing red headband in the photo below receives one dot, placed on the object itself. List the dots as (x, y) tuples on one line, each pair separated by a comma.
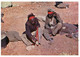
[(31, 26), (53, 24)]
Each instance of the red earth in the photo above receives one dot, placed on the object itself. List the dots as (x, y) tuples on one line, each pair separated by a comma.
[(15, 18)]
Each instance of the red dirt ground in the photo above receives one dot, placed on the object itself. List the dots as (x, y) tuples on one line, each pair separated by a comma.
[(15, 18)]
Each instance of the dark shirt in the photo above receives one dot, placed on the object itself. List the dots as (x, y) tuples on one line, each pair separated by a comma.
[(30, 28)]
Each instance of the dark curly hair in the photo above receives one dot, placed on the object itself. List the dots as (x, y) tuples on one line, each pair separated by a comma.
[(30, 15)]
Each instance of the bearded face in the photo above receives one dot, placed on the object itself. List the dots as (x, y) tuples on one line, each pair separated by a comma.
[(50, 15), (32, 21)]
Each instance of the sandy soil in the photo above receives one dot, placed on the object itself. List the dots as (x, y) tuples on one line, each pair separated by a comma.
[(15, 18)]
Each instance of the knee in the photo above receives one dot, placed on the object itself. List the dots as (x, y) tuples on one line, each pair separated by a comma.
[(23, 36), (60, 24)]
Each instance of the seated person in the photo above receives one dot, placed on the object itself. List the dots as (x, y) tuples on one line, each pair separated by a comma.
[(70, 29), (53, 24)]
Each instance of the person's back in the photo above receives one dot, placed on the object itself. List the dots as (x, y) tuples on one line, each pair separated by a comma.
[(70, 29)]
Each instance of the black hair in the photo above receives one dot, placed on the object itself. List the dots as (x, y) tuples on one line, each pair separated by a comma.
[(48, 16), (30, 15)]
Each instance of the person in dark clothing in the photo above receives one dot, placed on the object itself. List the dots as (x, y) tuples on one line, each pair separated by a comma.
[(70, 29), (53, 24), (31, 25)]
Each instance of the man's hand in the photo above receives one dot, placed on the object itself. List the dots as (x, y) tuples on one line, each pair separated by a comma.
[(34, 40), (63, 27), (37, 42)]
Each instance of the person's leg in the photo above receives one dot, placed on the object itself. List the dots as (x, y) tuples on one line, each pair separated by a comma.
[(58, 27), (34, 34), (38, 34), (46, 34), (26, 40)]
